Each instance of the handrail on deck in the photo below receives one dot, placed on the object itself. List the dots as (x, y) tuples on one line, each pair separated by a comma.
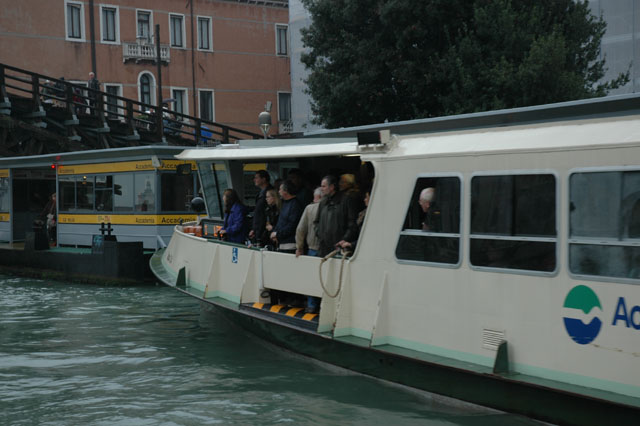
[(81, 100)]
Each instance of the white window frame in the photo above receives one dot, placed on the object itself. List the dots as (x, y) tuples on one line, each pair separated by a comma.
[(459, 235), (66, 21), (153, 86), (556, 240), (210, 19), (594, 240), (213, 103), (117, 24), (186, 98), (280, 119), (150, 12), (121, 108), (184, 33), (286, 27)]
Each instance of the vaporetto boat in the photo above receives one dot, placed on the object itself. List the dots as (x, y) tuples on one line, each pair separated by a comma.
[(527, 296)]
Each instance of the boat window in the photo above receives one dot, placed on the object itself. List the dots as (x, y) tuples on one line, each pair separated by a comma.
[(604, 223), (4, 194), (213, 177), (145, 190), (66, 193), (84, 193), (177, 191), (104, 193), (431, 230), (123, 192), (513, 222)]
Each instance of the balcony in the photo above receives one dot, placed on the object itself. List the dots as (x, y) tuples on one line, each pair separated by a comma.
[(285, 127), (143, 51)]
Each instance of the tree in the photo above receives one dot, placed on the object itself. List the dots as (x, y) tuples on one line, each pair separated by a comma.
[(377, 60)]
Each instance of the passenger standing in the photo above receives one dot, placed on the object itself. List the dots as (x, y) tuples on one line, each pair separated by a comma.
[(234, 227), (261, 180), (347, 184), (271, 212), (359, 221), (303, 194), (94, 84), (336, 219), (284, 233), (306, 233), (306, 230), (50, 217)]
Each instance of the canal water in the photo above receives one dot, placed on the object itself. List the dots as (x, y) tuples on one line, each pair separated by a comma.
[(74, 354)]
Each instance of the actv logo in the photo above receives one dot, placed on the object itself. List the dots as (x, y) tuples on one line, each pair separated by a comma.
[(584, 299), (584, 327)]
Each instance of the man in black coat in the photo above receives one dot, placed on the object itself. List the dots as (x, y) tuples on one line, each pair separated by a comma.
[(336, 220), (261, 180)]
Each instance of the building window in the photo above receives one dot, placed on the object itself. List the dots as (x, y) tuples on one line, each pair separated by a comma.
[(282, 40), (113, 104), (206, 105), (74, 17), (144, 25), (431, 229), (204, 33), (176, 24), (110, 25), (180, 104), (604, 223), (513, 222), (284, 106), (146, 93)]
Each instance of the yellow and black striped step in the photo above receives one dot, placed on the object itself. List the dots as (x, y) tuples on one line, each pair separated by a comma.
[(286, 311)]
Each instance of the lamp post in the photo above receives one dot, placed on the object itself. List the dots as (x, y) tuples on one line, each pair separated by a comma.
[(264, 119)]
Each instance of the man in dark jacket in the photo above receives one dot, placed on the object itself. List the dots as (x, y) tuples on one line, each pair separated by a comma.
[(261, 180), (336, 220), (94, 84), (285, 230)]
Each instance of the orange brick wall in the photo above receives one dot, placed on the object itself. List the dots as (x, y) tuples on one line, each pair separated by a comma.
[(243, 70)]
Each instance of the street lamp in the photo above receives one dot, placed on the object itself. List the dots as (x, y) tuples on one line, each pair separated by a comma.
[(264, 119)]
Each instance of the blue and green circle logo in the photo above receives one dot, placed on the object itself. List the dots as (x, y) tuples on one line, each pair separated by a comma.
[(582, 298)]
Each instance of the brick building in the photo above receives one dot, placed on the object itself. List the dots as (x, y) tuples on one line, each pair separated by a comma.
[(222, 60)]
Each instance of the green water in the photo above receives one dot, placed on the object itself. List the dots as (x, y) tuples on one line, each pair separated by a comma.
[(87, 355)]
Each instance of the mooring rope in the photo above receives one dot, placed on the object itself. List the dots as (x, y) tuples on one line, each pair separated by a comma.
[(324, 259)]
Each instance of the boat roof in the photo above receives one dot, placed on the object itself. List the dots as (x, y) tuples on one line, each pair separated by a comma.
[(614, 105), (566, 125), (274, 148), (91, 156)]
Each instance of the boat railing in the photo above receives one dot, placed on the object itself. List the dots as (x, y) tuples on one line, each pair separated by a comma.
[(240, 274), (76, 100)]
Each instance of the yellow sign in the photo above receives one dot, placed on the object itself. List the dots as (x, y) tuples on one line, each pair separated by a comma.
[(123, 166), (126, 219), (4, 173), (5, 217)]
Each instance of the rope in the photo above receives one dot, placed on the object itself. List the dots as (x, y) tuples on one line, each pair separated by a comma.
[(324, 259)]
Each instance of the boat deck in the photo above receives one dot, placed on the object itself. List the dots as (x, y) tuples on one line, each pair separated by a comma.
[(287, 314)]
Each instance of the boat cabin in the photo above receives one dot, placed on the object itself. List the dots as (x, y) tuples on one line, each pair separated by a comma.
[(136, 194)]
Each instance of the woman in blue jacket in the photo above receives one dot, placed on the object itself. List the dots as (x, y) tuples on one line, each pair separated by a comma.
[(235, 226)]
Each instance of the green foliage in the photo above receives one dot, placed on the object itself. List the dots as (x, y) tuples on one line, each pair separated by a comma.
[(377, 60)]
